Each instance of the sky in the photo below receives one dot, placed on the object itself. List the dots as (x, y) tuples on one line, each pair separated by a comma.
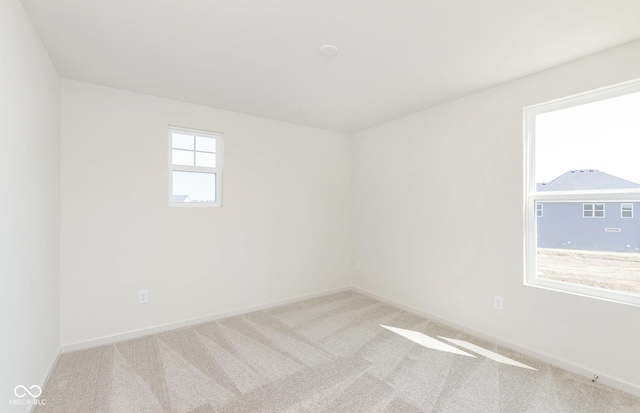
[(199, 186), (603, 135)]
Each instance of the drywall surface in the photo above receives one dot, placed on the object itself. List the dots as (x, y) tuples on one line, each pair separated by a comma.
[(283, 229), (29, 206), (438, 222)]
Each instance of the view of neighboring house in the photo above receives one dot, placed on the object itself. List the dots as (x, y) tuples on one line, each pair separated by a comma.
[(180, 198), (602, 226)]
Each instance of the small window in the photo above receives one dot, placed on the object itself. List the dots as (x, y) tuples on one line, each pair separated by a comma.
[(593, 210), (195, 167), (627, 211), (539, 210)]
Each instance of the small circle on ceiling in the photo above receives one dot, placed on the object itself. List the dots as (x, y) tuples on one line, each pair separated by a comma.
[(328, 50)]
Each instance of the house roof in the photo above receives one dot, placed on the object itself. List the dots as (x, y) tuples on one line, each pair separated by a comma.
[(180, 198), (585, 179)]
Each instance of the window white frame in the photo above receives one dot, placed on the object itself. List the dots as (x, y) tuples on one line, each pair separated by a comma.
[(532, 195), (217, 170), (593, 209), (626, 207)]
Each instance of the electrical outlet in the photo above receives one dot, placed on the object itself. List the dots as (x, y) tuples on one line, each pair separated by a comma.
[(498, 302), (143, 296), (358, 266)]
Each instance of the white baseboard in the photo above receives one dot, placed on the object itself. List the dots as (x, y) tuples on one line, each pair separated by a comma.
[(45, 377), (563, 364), (193, 321)]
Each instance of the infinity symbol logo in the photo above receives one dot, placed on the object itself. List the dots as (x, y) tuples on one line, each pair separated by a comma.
[(21, 391)]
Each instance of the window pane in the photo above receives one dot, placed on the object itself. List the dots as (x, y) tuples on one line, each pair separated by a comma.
[(602, 253), (205, 144), (180, 141), (588, 207), (179, 157), (194, 187), (602, 136), (599, 207), (206, 159)]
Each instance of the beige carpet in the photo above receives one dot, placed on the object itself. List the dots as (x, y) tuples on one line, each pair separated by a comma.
[(340, 353)]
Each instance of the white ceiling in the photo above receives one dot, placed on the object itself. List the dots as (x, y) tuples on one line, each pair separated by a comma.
[(261, 56)]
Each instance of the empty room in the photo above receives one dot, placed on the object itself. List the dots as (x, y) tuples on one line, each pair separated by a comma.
[(319, 206)]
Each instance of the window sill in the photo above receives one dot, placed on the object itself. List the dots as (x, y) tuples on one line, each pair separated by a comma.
[(195, 205), (619, 297)]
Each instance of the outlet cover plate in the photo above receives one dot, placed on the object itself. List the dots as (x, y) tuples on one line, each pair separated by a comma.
[(498, 302)]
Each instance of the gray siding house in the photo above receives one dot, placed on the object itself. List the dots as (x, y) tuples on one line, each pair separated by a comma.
[(602, 226)]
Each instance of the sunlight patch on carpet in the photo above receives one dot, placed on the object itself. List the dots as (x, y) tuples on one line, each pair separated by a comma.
[(486, 353), (426, 341)]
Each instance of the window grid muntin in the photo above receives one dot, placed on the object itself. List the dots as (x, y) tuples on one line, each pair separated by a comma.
[(193, 150)]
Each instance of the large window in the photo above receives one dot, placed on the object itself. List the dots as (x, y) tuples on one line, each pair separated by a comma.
[(581, 168), (195, 167)]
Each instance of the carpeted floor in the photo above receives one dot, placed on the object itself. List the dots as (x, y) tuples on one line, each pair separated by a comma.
[(340, 353)]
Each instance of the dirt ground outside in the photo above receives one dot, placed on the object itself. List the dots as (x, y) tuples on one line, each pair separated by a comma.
[(618, 271)]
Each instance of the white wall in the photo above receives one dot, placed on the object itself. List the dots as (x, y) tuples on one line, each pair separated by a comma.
[(439, 222), (283, 230), (29, 206)]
